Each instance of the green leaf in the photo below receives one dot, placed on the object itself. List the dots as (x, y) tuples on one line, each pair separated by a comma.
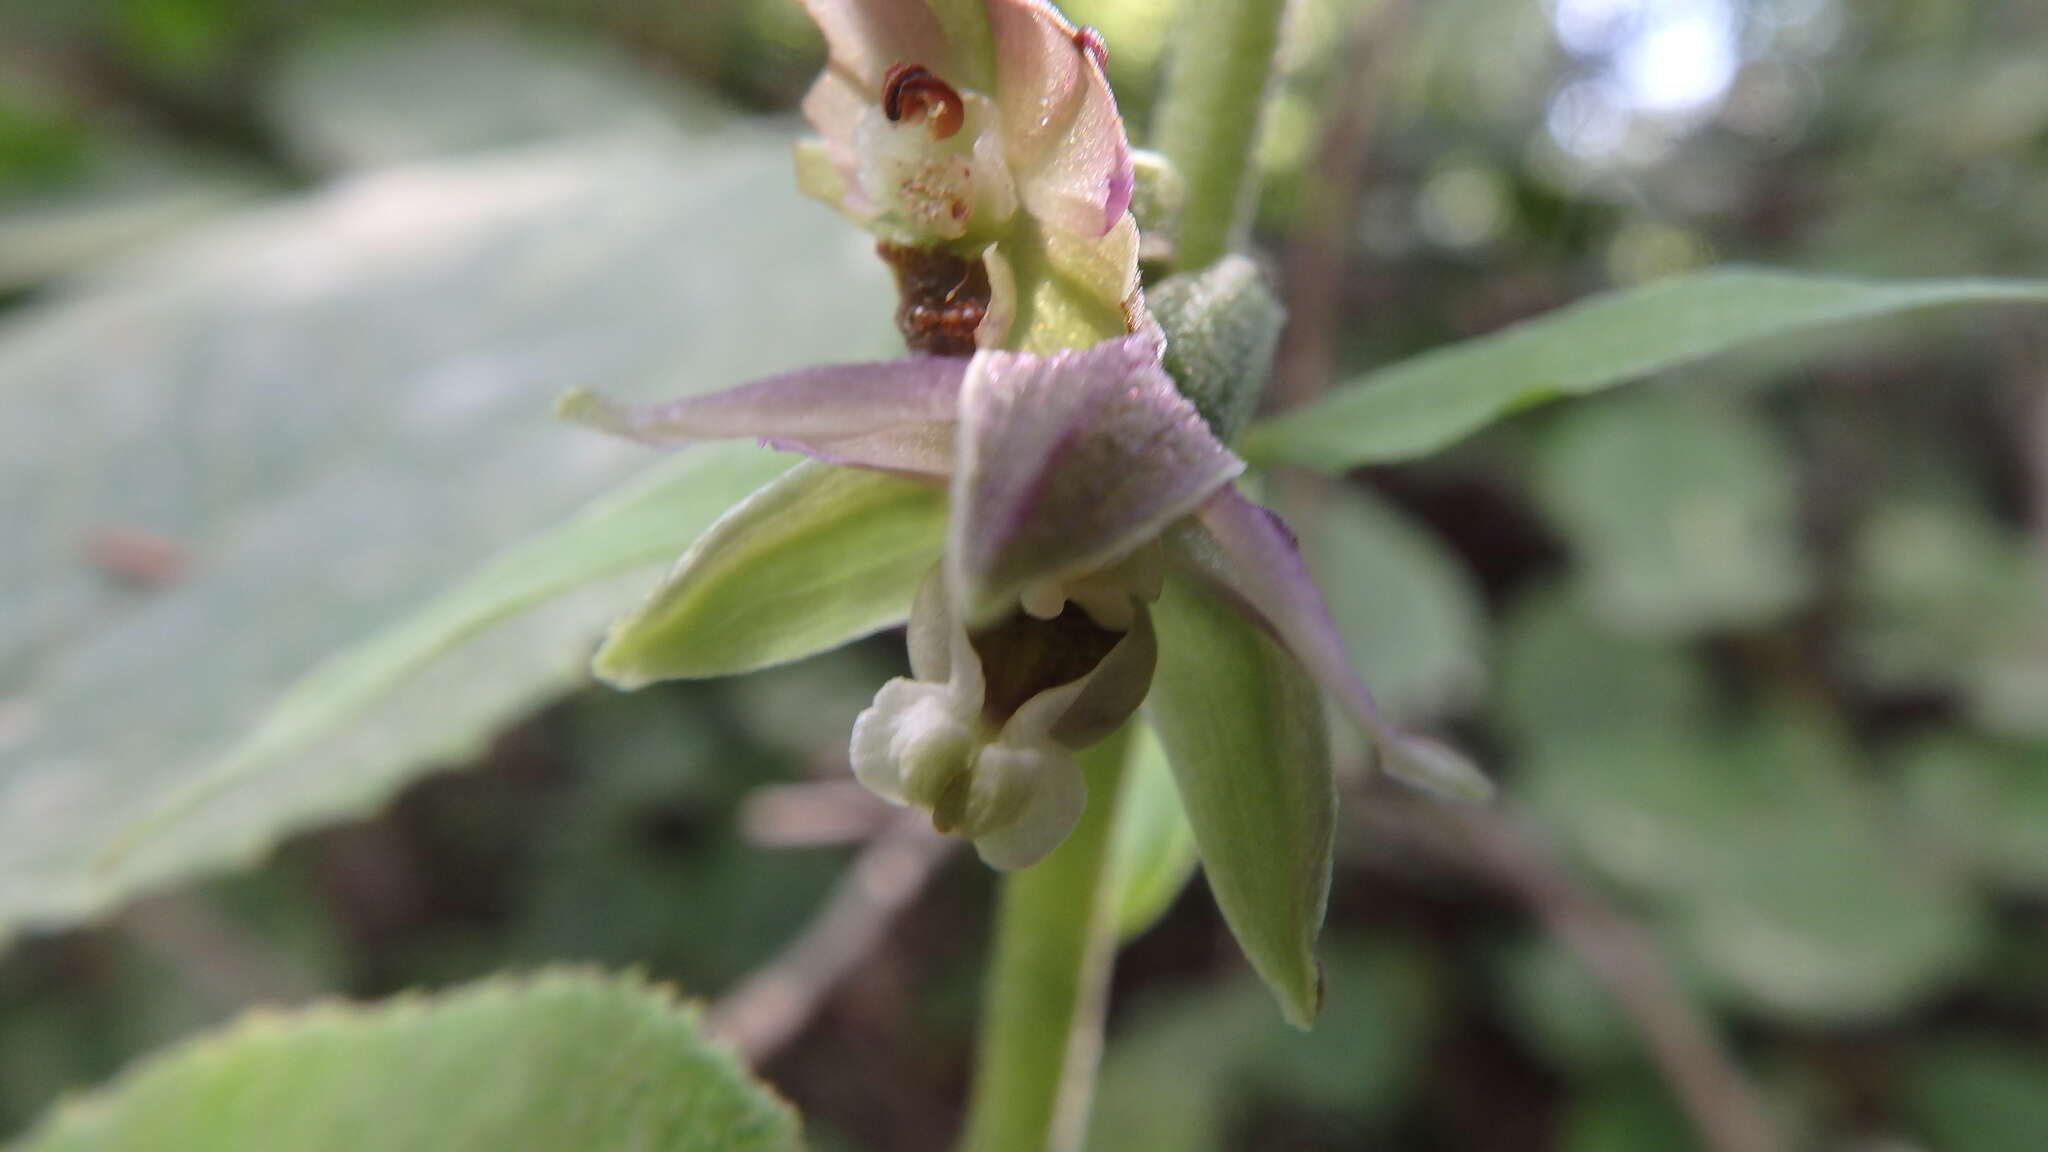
[(1567, 1018), (1417, 406), (1779, 877), (1243, 728), (336, 409), (1625, 1114), (1979, 1095), (819, 557), (363, 95), (1564, 674), (128, 190), (1407, 609), (1945, 599), (1986, 802), (1684, 514), (563, 1060), (1154, 849), (645, 522), (1188, 1065)]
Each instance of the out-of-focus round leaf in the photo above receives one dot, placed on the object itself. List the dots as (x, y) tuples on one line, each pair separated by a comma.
[(1559, 1010), (1943, 599), (1988, 804), (1979, 1096), (1683, 513), (1629, 1114), (1778, 875), (1563, 673), (1408, 611)]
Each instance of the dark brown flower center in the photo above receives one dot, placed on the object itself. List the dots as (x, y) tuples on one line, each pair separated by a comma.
[(942, 298), (914, 91), (1023, 656)]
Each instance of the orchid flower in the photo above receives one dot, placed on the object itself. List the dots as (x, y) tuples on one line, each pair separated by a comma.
[(1078, 487), (1042, 491)]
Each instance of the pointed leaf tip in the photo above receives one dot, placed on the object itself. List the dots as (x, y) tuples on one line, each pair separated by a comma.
[(1437, 768), (1243, 729)]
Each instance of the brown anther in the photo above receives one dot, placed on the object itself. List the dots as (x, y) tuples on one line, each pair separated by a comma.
[(943, 298), (1090, 41), (913, 90)]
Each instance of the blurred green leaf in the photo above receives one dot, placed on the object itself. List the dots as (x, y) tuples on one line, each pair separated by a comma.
[(315, 419), (1407, 609), (114, 194), (1777, 874), (820, 556), (1417, 406), (1154, 847), (647, 521), (1567, 1018), (1243, 729), (1988, 804), (562, 1060), (1944, 599), (1980, 1095), (357, 96), (1628, 1114), (645, 861), (1684, 514), (1564, 674), (1189, 1065)]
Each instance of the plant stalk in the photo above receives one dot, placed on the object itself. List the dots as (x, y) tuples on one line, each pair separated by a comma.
[(1041, 1032), (1209, 118)]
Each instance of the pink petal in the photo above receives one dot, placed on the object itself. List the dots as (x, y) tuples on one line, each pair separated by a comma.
[(865, 37), (896, 415), (1065, 139), (1067, 462), (1250, 554)]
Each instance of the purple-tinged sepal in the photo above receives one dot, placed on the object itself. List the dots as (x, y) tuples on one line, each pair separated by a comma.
[(1065, 465), (1248, 553)]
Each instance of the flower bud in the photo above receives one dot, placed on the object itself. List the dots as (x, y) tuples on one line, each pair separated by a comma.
[(1222, 325)]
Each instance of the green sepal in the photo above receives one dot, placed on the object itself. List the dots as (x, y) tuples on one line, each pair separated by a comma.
[(1154, 850), (820, 556), (1222, 325), (1243, 728)]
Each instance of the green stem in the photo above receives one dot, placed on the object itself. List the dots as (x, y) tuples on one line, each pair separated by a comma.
[(1055, 937), (1209, 117)]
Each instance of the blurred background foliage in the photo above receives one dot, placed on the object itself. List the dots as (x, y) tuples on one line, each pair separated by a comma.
[(1762, 648)]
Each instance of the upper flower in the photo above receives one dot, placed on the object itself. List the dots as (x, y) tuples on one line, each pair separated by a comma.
[(978, 141), (939, 122)]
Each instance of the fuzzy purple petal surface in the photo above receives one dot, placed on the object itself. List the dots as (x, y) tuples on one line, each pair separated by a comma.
[(1067, 462)]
